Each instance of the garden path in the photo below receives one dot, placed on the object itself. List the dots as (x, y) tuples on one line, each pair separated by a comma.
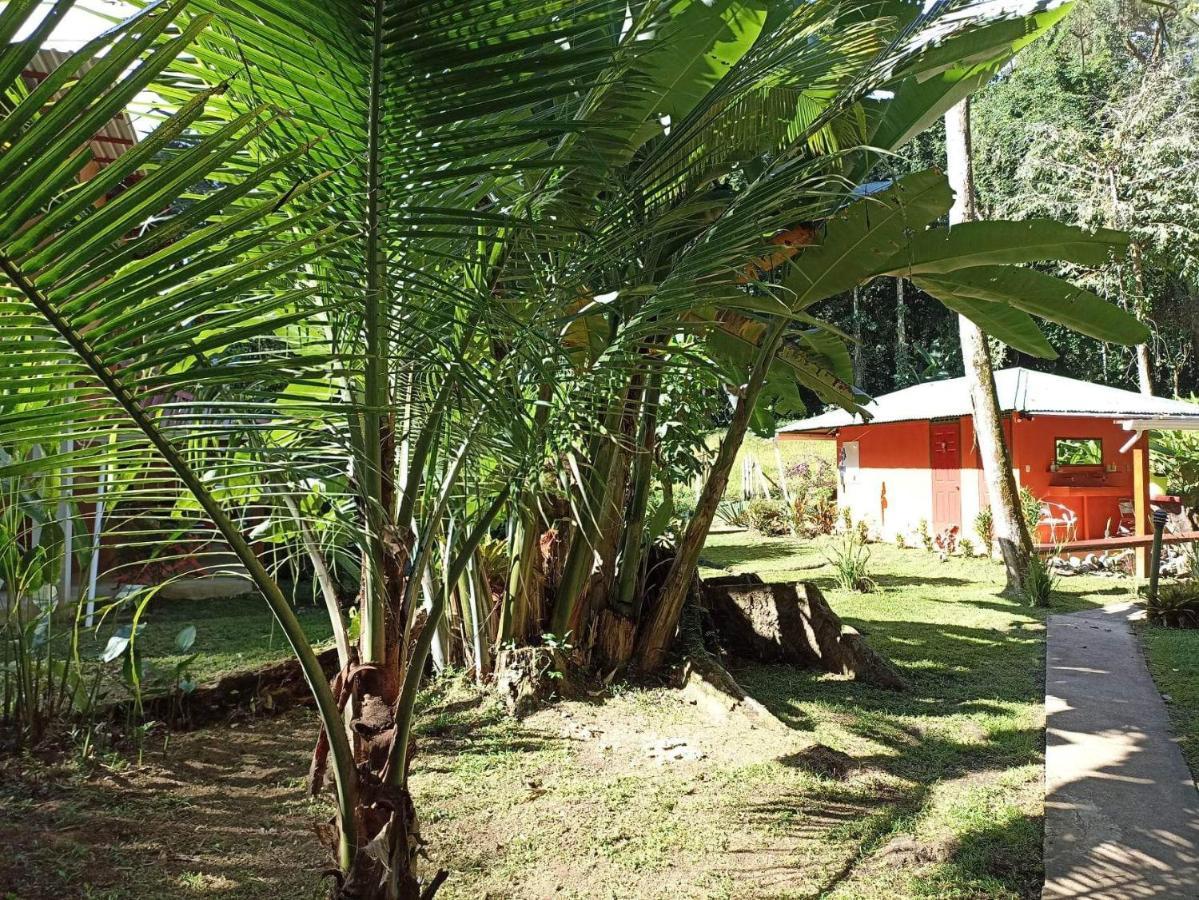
[(1121, 809)]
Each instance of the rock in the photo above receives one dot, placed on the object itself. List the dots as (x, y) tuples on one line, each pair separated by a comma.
[(675, 750)]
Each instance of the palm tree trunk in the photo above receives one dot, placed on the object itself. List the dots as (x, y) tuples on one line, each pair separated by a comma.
[(902, 356), (658, 631), (1010, 531)]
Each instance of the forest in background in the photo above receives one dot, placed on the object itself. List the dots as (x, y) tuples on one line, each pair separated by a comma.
[(1097, 125)]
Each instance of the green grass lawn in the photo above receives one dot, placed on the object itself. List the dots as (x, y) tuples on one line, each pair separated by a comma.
[(1173, 656), (946, 801), (232, 634), (962, 752)]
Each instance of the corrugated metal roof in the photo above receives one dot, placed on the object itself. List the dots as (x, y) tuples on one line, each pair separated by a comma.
[(110, 141), (1020, 390)]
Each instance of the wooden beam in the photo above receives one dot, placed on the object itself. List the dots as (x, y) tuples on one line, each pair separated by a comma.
[(1140, 501), (1120, 542)]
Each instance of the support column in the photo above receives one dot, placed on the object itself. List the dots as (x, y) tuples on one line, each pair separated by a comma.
[(1140, 500)]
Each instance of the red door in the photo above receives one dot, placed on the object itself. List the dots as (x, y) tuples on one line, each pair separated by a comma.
[(947, 475)]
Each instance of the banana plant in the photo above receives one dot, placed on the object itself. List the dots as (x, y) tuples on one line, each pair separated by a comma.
[(845, 97)]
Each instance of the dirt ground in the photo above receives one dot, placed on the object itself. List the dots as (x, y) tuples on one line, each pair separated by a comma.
[(220, 813), (640, 794)]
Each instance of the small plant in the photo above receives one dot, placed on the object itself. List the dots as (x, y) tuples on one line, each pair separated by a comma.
[(824, 515), (926, 539), (984, 527), (732, 513), (900, 541), (767, 517), (849, 556), (1040, 582), (946, 540), (1030, 508), (1176, 605), (966, 546), (182, 679), (863, 531)]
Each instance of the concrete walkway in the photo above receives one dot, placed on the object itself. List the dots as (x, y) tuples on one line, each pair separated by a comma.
[(1121, 810)]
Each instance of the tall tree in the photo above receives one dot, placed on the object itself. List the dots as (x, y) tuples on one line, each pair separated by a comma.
[(1009, 527), (1099, 126), (903, 353)]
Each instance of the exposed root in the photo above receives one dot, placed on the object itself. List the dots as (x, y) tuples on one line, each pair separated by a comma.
[(710, 686)]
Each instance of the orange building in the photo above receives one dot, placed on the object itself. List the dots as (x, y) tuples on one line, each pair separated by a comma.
[(1080, 448)]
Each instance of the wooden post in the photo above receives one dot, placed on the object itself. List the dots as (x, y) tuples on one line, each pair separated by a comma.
[(1140, 501)]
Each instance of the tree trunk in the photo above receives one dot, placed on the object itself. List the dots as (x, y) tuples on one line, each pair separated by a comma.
[(857, 337), (632, 549), (1144, 362), (658, 632), (1144, 370), (1009, 527), (902, 357)]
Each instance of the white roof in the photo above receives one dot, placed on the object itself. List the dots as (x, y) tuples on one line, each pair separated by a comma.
[(1020, 390)]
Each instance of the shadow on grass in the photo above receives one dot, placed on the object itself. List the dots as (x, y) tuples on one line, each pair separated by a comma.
[(727, 555), (212, 815), (958, 723), (999, 859), (885, 581), (1005, 854)]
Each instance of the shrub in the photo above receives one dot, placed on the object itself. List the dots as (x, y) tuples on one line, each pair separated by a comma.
[(1175, 456), (1040, 582), (683, 498), (849, 556), (984, 527), (823, 516), (926, 539), (768, 517), (1176, 605), (966, 546), (900, 541), (813, 487)]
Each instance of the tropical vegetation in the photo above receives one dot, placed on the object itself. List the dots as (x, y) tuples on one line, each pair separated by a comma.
[(438, 302)]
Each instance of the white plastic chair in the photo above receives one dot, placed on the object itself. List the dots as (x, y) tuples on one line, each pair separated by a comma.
[(1055, 516)]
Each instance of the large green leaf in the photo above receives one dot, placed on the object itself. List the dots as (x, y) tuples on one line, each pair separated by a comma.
[(1042, 295), (1015, 328), (815, 358), (858, 241), (940, 250), (705, 39), (946, 74), (696, 43)]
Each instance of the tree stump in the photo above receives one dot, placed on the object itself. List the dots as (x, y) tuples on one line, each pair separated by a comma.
[(527, 678), (780, 623)]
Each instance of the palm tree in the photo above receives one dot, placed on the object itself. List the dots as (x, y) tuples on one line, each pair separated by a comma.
[(325, 315)]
